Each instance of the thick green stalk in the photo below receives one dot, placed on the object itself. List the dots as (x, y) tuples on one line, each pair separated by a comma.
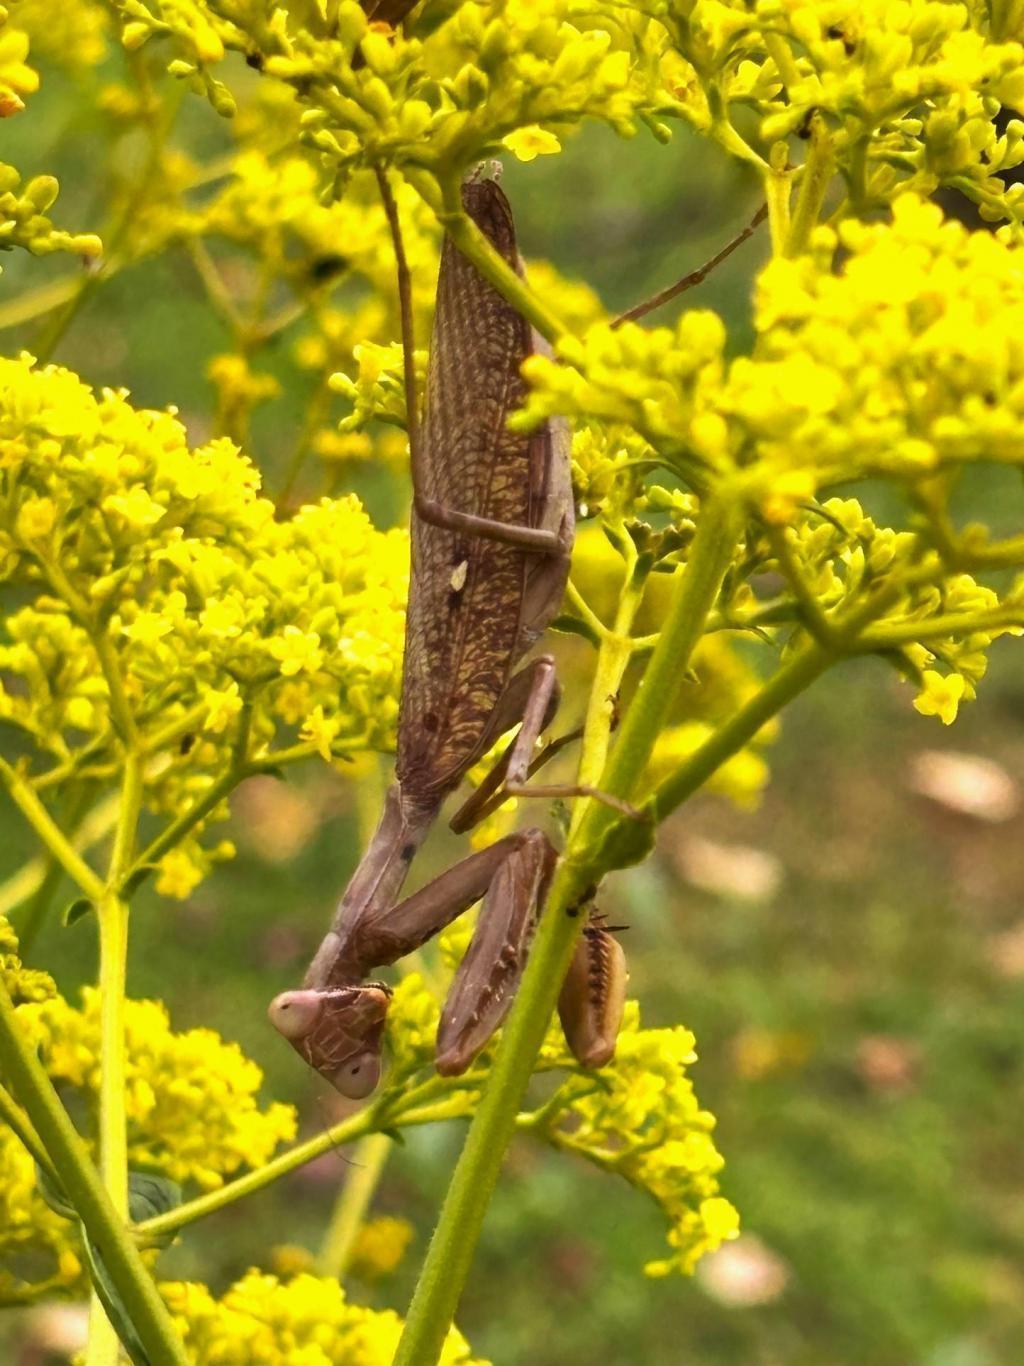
[(451, 1250), (739, 730), (82, 1185), (696, 592), (112, 911), (489, 262)]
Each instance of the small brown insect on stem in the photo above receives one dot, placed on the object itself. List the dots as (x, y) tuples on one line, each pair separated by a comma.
[(695, 277)]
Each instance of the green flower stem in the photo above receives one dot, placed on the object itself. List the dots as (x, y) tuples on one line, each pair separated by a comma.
[(814, 183), (779, 51), (113, 1116), (491, 265), (28, 881), (217, 292), (375, 1118), (174, 831), (368, 1162), (84, 1189), (778, 188), (813, 615), (347, 1131), (806, 665), (894, 633), (452, 1247), (791, 680), (35, 302), (25, 799), (696, 591), (15, 1118), (316, 409), (120, 708), (222, 787)]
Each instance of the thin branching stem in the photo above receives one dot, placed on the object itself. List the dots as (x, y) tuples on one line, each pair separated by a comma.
[(695, 277)]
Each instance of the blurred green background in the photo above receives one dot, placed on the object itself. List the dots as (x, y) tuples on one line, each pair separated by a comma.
[(850, 955)]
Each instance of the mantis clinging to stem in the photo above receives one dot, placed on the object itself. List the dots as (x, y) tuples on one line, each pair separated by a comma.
[(492, 531)]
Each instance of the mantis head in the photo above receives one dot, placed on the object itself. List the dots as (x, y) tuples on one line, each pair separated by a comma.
[(338, 1031)]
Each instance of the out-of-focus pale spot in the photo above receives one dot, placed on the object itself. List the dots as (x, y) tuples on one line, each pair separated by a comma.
[(744, 1272), (760, 1053), (888, 1064), (967, 783), (1006, 952), (274, 820), (729, 870), (60, 1329)]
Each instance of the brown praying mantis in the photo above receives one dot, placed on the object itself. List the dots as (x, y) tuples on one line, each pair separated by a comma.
[(492, 530)]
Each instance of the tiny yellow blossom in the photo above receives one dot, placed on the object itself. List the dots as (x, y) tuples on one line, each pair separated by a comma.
[(941, 695), (136, 507), (530, 143), (178, 875), (148, 627), (297, 651), (35, 519), (222, 706), (321, 731)]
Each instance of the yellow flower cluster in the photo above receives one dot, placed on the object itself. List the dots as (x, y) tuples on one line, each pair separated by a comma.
[(840, 551), (489, 70), (909, 91), (379, 1246), (23, 220), (304, 1321), (23, 984), (75, 36), (271, 205), (169, 602), (905, 360), (38, 1249), (17, 78), (641, 1119), (659, 381), (193, 1114), (638, 1117)]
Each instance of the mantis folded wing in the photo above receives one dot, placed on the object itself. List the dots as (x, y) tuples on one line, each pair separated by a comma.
[(492, 527)]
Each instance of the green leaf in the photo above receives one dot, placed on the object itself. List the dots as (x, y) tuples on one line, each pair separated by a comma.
[(113, 1304), (78, 908), (54, 1195), (149, 1196)]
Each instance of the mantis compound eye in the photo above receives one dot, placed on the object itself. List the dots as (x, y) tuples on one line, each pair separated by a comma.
[(295, 1013), (357, 1077)]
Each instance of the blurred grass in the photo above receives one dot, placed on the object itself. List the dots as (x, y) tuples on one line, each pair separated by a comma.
[(893, 1199)]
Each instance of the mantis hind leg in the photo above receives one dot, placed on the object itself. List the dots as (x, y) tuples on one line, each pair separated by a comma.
[(532, 698), (487, 977)]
